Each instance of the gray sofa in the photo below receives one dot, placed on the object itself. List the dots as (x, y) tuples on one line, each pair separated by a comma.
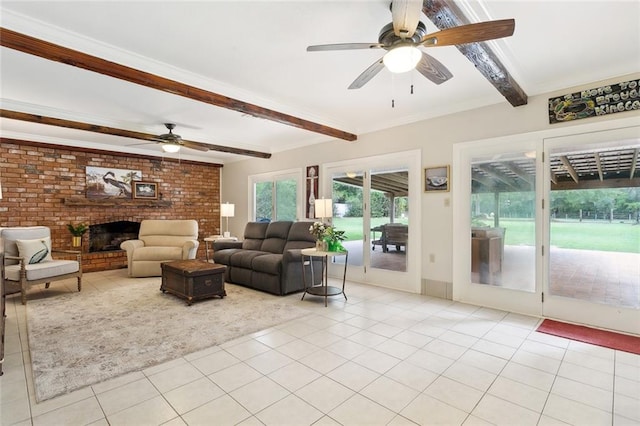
[(268, 258)]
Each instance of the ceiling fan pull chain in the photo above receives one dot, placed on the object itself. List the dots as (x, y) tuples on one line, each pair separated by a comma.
[(393, 90)]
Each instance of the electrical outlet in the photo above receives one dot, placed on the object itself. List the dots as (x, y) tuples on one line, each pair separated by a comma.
[(447, 202), (432, 258)]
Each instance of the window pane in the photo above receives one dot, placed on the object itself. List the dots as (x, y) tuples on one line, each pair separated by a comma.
[(264, 201), (286, 191), (503, 221)]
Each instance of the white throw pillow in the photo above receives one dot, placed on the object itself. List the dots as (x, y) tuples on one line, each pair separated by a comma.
[(35, 251)]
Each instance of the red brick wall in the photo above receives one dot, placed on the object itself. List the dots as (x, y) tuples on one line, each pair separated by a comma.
[(37, 178)]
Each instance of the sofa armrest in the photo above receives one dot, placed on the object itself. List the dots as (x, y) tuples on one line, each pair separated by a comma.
[(129, 246), (76, 253), (189, 249), (221, 245), (292, 255)]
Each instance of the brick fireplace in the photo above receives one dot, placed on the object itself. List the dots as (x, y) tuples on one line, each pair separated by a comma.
[(45, 184), (108, 236)]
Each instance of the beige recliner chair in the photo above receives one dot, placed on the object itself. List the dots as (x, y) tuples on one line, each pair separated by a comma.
[(160, 241)]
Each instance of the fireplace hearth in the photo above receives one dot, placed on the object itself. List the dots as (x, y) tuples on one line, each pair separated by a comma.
[(108, 236)]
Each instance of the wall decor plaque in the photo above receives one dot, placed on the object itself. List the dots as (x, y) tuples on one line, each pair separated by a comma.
[(604, 100)]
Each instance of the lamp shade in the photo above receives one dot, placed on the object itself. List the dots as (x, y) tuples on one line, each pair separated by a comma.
[(227, 210), (324, 208), (402, 59), (170, 147)]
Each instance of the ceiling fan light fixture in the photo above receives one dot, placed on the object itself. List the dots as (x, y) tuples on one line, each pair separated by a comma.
[(402, 59), (170, 147)]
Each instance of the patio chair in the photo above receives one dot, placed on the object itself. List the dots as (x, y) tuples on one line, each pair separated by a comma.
[(26, 260)]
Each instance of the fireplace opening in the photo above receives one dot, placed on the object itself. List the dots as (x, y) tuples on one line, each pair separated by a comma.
[(108, 236)]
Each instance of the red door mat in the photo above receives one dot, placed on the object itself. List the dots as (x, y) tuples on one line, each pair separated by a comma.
[(608, 339)]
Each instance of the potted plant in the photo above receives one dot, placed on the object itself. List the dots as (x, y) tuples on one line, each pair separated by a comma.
[(328, 238), (77, 231)]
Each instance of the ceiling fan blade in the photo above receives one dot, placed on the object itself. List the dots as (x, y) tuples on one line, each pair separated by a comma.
[(470, 33), (343, 46), (433, 69), (195, 145), (405, 15), (367, 74)]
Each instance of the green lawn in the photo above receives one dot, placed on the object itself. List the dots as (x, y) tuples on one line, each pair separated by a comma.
[(353, 225), (622, 237)]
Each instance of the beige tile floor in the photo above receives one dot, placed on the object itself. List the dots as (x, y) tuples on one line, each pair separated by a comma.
[(382, 358)]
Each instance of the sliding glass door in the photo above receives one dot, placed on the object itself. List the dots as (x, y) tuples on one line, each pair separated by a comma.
[(593, 263), (551, 227), (498, 236), (374, 201)]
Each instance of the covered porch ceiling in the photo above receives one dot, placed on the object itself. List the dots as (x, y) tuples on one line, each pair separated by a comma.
[(604, 168)]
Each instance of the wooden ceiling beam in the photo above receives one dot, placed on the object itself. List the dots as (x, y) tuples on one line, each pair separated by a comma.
[(57, 53), (634, 163), (596, 155), (69, 124), (445, 14), (509, 182), (567, 164), (528, 178)]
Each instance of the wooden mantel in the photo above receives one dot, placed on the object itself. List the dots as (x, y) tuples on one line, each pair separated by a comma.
[(113, 202)]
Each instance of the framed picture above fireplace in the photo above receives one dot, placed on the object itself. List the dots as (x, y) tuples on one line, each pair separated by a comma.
[(145, 190), (109, 182)]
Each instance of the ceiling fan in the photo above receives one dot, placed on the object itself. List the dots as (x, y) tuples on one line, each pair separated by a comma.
[(402, 37), (172, 142)]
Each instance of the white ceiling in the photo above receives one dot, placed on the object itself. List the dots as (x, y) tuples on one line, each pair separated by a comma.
[(254, 51)]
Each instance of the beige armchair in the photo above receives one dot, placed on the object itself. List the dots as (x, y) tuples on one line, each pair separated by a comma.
[(160, 241), (26, 259)]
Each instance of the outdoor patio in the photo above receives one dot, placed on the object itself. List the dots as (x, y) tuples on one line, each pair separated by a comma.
[(597, 276)]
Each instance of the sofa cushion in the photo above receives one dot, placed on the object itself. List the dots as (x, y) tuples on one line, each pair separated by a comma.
[(10, 235), (35, 251), (244, 258), (158, 253), (42, 270), (276, 237), (167, 232), (299, 236), (269, 263), (254, 233), (223, 256)]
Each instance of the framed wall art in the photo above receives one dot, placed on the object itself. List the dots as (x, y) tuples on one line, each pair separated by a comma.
[(312, 191), (436, 179), (145, 190), (107, 182)]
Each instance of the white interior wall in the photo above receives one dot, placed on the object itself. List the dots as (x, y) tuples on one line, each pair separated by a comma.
[(435, 137)]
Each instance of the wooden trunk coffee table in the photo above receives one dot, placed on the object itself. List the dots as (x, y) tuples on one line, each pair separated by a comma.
[(193, 279)]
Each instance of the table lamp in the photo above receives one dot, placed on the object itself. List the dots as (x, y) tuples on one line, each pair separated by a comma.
[(324, 208), (227, 210)]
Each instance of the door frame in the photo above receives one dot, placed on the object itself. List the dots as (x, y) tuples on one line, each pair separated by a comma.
[(406, 281), (506, 299), (464, 289), (576, 310)]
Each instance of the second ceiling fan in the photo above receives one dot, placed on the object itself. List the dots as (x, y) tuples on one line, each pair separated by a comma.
[(172, 142), (403, 37)]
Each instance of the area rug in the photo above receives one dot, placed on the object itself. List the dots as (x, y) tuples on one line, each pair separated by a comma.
[(79, 339), (607, 339)]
